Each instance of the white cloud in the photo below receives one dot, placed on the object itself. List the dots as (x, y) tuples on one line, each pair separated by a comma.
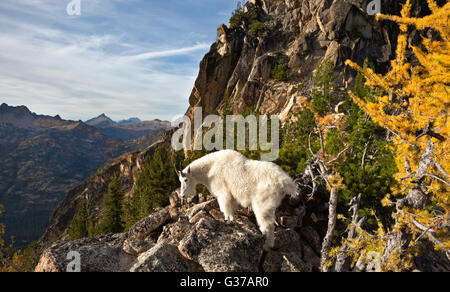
[(78, 71), (166, 53)]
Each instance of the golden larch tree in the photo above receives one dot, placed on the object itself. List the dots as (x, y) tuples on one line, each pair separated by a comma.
[(413, 106)]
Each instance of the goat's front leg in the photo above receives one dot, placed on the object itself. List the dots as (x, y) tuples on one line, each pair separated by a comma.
[(226, 205)]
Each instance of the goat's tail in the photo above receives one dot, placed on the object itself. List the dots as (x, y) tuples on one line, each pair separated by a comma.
[(290, 188)]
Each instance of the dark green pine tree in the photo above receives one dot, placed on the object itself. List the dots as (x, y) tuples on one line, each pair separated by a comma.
[(132, 211), (79, 227), (323, 95), (155, 182), (112, 218)]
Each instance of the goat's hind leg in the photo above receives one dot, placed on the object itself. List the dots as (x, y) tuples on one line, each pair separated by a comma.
[(266, 223)]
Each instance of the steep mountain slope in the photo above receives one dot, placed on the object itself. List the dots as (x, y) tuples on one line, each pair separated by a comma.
[(130, 129), (42, 158), (95, 188)]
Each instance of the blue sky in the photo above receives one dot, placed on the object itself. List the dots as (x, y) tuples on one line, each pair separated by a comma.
[(125, 58)]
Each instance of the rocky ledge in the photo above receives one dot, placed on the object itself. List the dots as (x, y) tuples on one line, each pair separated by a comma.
[(194, 238)]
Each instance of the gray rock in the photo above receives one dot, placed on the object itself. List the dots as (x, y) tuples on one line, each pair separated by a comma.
[(163, 257), (272, 262), (309, 256), (200, 215), (289, 221), (224, 247), (216, 214), (312, 238), (135, 247), (287, 240), (332, 53), (292, 262), (263, 67), (102, 254), (175, 232), (174, 199), (206, 206), (146, 226)]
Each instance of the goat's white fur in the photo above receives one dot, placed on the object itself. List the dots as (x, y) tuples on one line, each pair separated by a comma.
[(235, 180)]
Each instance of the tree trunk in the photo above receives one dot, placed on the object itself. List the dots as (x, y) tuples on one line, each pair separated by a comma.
[(327, 241), (343, 261)]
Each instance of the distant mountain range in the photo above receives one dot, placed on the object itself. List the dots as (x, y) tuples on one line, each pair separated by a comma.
[(42, 157), (132, 128), (130, 120)]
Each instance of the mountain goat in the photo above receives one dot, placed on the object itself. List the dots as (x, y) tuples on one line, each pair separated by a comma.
[(235, 180)]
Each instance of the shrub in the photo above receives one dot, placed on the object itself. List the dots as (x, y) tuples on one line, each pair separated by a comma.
[(237, 15), (281, 71), (256, 28)]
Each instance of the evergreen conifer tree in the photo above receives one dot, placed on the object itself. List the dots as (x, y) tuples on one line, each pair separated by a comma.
[(155, 182), (79, 227), (112, 218)]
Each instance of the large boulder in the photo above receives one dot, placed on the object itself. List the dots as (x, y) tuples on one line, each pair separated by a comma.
[(163, 257), (146, 226), (175, 232), (102, 254), (224, 247), (311, 236)]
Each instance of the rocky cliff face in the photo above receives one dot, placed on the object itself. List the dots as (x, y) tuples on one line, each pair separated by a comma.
[(237, 72)]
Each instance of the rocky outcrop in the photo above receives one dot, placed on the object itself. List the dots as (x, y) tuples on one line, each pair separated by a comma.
[(194, 238), (146, 226), (103, 254), (237, 72), (223, 247), (163, 257)]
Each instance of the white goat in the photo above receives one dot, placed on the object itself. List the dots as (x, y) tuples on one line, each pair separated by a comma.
[(235, 180)]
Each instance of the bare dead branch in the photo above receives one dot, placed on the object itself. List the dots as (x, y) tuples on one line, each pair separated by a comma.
[(428, 232), (437, 178), (326, 246), (338, 156), (363, 160), (440, 169)]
